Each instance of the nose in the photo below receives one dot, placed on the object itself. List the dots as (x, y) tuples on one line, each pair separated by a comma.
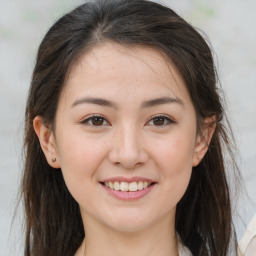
[(127, 149)]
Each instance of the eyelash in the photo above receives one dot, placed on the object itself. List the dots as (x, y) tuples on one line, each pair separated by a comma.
[(89, 120), (167, 120)]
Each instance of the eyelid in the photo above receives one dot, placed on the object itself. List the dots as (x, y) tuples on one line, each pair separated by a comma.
[(86, 120), (166, 117)]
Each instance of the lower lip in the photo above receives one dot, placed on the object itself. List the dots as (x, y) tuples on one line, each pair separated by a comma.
[(129, 195)]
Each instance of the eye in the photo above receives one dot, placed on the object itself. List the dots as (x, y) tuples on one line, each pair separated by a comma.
[(95, 120), (160, 121)]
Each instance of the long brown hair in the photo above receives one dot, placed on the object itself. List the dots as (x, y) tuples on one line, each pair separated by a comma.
[(53, 221)]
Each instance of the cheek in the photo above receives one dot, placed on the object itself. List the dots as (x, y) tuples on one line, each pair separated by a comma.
[(79, 159), (77, 149), (176, 153), (175, 160)]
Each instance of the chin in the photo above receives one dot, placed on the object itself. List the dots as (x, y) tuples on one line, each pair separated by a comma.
[(129, 223), (128, 228)]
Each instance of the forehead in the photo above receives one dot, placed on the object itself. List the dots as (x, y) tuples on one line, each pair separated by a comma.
[(112, 66), (112, 57)]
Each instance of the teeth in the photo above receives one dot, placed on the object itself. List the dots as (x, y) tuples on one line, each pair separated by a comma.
[(125, 186), (110, 184), (140, 185), (133, 186), (145, 184), (116, 185)]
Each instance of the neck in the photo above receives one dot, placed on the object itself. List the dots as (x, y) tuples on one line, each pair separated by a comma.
[(157, 240)]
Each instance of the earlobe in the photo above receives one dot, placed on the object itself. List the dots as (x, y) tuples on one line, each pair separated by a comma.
[(203, 139), (47, 141)]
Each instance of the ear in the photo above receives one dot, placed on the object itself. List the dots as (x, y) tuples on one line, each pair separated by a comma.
[(203, 139), (47, 141)]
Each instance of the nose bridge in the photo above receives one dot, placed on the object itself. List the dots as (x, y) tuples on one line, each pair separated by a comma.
[(127, 146), (129, 140)]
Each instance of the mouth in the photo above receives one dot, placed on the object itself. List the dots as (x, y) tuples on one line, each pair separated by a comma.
[(128, 188), (124, 186)]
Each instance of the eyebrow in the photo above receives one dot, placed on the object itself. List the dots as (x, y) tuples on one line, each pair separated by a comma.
[(146, 104), (96, 101), (161, 101)]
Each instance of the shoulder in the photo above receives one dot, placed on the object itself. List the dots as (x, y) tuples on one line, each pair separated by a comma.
[(247, 245)]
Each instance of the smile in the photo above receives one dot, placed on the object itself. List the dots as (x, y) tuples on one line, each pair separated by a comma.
[(127, 186)]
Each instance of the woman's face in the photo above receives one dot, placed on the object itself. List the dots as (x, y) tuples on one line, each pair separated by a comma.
[(125, 137)]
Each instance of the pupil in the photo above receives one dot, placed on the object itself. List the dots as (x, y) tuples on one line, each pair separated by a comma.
[(97, 121), (158, 121)]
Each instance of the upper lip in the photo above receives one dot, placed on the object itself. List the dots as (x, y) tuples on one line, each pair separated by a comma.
[(127, 179)]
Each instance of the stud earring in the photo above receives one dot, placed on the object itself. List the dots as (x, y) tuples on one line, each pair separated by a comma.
[(54, 159)]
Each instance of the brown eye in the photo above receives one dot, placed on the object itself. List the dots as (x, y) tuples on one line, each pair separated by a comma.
[(158, 121), (161, 121), (97, 120)]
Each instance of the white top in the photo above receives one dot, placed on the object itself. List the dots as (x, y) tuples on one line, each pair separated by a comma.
[(247, 244), (184, 251)]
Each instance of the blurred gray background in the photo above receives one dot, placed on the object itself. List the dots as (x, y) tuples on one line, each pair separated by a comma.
[(230, 25)]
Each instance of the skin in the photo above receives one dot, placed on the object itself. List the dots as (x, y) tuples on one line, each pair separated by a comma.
[(130, 141)]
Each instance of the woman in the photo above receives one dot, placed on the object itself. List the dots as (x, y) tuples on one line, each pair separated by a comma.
[(124, 138)]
